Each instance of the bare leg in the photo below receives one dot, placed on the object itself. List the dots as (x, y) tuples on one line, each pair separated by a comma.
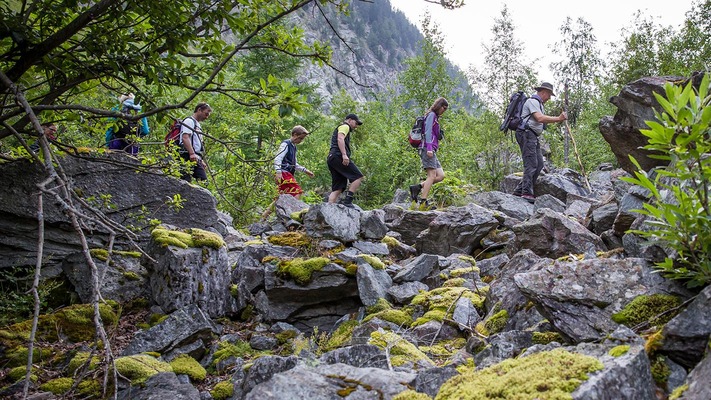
[(434, 175), (355, 184), (333, 197)]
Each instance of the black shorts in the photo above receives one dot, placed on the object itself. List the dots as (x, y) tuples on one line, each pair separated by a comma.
[(197, 172), (341, 174)]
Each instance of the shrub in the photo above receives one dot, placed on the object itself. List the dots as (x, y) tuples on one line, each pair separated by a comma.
[(679, 211)]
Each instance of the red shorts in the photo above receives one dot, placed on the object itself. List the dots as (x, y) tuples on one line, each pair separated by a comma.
[(288, 184)]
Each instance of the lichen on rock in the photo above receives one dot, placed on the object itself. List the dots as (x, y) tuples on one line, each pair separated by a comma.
[(192, 237), (301, 270), (551, 375), (139, 367), (184, 364)]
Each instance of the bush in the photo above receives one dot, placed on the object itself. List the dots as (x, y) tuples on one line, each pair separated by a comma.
[(679, 211)]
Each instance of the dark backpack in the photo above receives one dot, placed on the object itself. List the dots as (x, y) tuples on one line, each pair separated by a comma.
[(127, 128), (512, 117), (418, 129)]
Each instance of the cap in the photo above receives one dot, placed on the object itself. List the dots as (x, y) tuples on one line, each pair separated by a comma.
[(355, 118)]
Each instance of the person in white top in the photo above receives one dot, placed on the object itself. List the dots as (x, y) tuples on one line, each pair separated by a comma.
[(286, 165), (191, 139)]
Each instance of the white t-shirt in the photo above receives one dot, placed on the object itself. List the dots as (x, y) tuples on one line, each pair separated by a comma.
[(192, 127)]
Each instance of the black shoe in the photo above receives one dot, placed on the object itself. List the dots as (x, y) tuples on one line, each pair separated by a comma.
[(347, 200), (415, 191)]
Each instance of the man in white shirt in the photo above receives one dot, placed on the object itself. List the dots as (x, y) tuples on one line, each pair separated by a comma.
[(191, 139)]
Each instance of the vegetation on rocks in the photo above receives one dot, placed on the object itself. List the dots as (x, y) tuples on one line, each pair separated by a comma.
[(139, 367), (184, 364), (192, 237), (620, 350), (401, 351), (493, 324), (222, 390), (301, 270), (655, 309), (552, 375), (293, 239)]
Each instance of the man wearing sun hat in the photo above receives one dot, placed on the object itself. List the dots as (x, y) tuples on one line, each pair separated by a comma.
[(342, 168), (534, 123)]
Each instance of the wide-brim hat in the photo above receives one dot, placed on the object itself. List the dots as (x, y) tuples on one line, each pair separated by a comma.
[(354, 118), (545, 85), (129, 105)]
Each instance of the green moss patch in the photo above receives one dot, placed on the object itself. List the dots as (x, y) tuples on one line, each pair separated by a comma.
[(552, 375), (341, 336), (397, 317), (139, 367), (80, 359), (374, 262), (493, 324), (391, 242), (293, 239), (411, 395), (301, 270), (186, 365), (546, 337), (237, 349), (618, 351), (444, 298), (401, 350), (222, 390), (74, 322), (660, 370), (646, 308), (380, 305), (192, 237), (61, 386)]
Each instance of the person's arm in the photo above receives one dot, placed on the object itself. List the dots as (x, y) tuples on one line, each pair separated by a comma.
[(303, 169), (429, 133), (342, 132), (145, 130), (547, 119)]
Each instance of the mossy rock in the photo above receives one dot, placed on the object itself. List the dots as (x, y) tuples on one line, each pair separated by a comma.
[(493, 324), (237, 349), (380, 305), (17, 356), (80, 359), (444, 349), (619, 351), (298, 215), (301, 270), (646, 308), (654, 342), (397, 317), (139, 367), (103, 254), (292, 239), (546, 337), (401, 351), (411, 395), (75, 322), (374, 261), (18, 373), (676, 393), (192, 237), (61, 386), (186, 365), (431, 315), (551, 375), (222, 390), (454, 282), (444, 297), (341, 336), (459, 272), (391, 242)]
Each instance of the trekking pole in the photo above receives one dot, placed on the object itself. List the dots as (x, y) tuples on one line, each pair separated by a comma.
[(566, 135), (572, 139)]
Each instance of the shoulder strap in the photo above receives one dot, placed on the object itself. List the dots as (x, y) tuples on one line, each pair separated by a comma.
[(531, 113)]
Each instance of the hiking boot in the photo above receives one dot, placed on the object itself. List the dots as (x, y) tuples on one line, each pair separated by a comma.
[(347, 200), (415, 191), (529, 198)]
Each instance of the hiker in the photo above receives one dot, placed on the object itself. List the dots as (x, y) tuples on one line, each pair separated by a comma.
[(49, 129), (286, 165), (534, 123), (122, 134), (428, 155), (191, 141), (342, 168)]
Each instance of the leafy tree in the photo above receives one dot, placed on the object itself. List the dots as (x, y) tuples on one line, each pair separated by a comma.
[(680, 208), (506, 68)]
